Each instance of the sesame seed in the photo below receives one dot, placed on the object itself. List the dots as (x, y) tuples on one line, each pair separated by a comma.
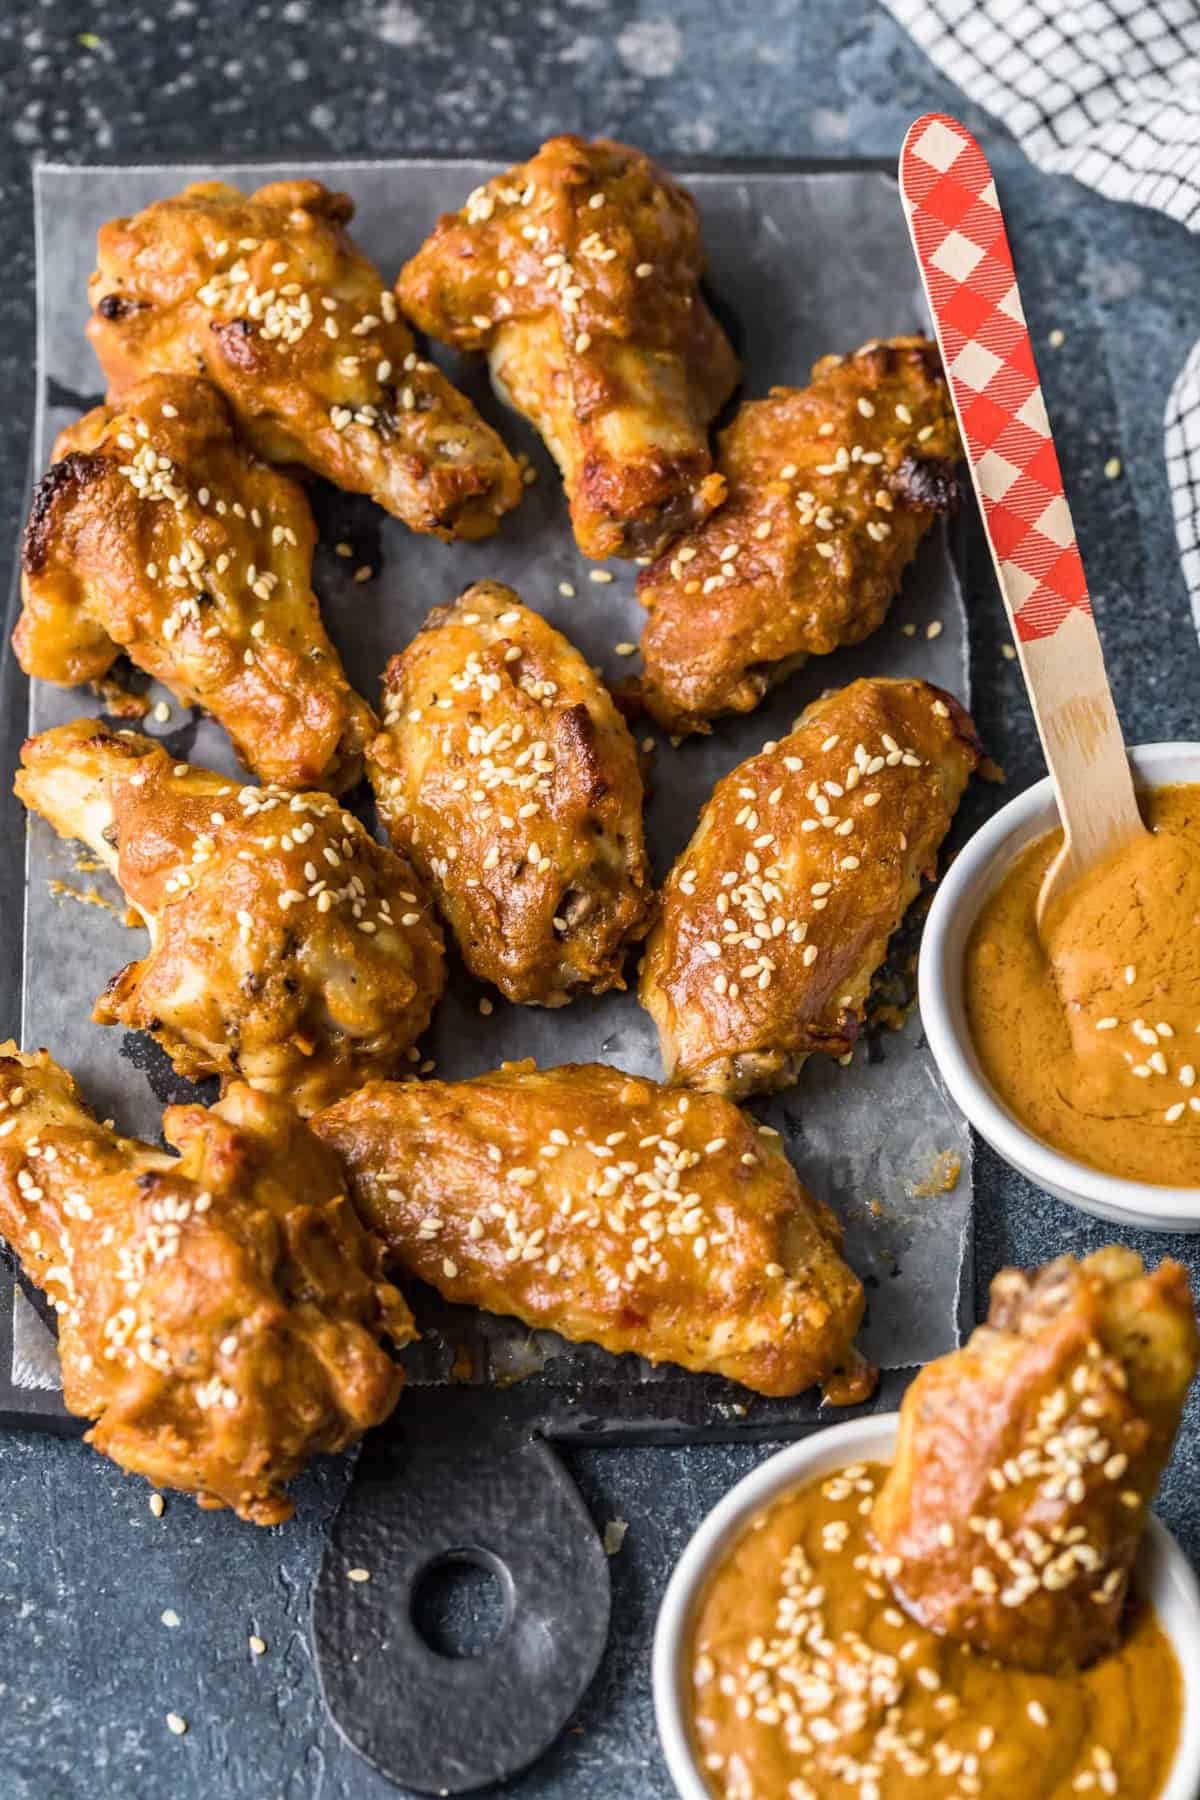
[(567, 590), (156, 1505), (176, 1724), (1112, 467), (934, 629), (602, 576), (358, 1574), (257, 1646), (1057, 338), (486, 1007)]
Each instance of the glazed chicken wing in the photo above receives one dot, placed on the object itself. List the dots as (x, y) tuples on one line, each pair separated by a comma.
[(1027, 1461), (220, 1312), (155, 533), (287, 947), (506, 773), (579, 274), (778, 914), (831, 489), (610, 1210), (270, 298)]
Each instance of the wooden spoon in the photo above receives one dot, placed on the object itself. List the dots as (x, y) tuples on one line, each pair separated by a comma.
[(966, 265)]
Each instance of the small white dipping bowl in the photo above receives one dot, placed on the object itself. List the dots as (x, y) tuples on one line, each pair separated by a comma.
[(972, 877), (1164, 1576)]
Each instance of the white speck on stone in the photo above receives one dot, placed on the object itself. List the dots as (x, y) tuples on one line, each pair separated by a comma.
[(829, 126), (397, 24), (651, 47)]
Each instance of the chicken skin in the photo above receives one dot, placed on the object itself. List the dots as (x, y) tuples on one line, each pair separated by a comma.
[(610, 1210), (831, 490), (287, 947), (220, 1312), (1027, 1461), (777, 915), (156, 533), (269, 297), (579, 274), (508, 776)]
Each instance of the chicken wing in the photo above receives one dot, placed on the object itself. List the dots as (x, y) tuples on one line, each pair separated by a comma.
[(155, 533), (610, 1210), (579, 273), (270, 298), (831, 489), (287, 947), (506, 773), (220, 1312), (1027, 1461), (778, 914)]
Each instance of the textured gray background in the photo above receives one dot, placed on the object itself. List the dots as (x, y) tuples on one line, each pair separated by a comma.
[(86, 1669)]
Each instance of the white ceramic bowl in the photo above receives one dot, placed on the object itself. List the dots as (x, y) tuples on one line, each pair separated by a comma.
[(1164, 1574), (971, 878)]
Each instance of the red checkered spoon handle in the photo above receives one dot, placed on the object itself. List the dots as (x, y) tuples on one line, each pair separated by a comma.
[(967, 268)]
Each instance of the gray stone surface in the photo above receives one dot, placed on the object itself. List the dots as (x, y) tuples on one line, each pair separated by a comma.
[(87, 1670)]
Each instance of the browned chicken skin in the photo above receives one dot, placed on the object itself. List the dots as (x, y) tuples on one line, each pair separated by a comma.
[(270, 298), (831, 489), (579, 273), (1027, 1461), (220, 1313), (608, 1209), (288, 948), (506, 773), (156, 533), (777, 915)]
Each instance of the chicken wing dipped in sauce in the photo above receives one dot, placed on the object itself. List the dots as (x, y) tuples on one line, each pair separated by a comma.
[(155, 532), (613, 1211), (777, 915), (579, 274), (220, 1313), (831, 490), (287, 947), (269, 296), (506, 773), (1027, 1461)]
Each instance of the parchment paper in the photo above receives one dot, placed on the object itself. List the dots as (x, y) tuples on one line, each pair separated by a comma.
[(801, 263)]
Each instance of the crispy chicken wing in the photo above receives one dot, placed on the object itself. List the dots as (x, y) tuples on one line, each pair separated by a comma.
[(506, 773), (1027, 1461), (287, 947), (579, 273), (156, 533), (608, 1209), (270, 298), (831, 489), (778, 914), (220, 1312)]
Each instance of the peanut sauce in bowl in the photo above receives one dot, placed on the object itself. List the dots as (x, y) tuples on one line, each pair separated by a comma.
[(1079, 1066), (1088, 1032), (786, 1670)]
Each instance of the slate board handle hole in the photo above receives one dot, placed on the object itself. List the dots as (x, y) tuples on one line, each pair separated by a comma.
[(463, 1603)]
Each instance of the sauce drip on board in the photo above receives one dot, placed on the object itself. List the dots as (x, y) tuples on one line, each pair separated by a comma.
[(812, 1684)]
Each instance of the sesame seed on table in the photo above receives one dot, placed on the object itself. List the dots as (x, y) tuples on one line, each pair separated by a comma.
[(89, 1669)]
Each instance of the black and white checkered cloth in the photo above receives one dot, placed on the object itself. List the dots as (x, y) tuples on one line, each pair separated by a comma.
[(1107, 91)]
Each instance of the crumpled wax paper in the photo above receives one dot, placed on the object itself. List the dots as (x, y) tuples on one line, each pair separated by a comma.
[(800, 263)]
